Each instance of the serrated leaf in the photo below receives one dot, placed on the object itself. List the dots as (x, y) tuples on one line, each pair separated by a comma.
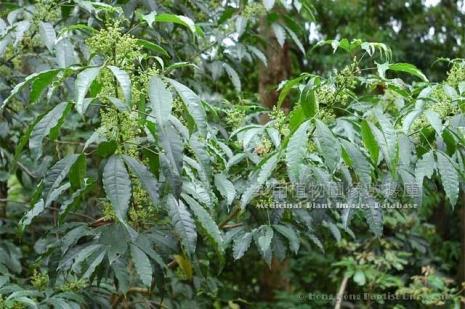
[(328, 145), (36, 210), (408, 68), (435, 121), (152, 46), (425, 167), (359, 163), (193, 104), (161, 100), (48, 35), (183, 224), (83, 81), (279, 33), (45, 125), (369, 141), (176, 19), (206, 221), (225, 187), (147, 179), (233, 76), (449, 177), (142, 265), (296, 150), (309, 103), (124, 81), (241, 245), (268, 4), (173, 147), (290, 234), (117, 185), (39, 81), (261, 176), (58, 172), (265, 235)]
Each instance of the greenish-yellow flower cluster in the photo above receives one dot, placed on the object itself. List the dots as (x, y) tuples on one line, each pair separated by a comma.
[(120, 49), (39, 280), (280, 121), (121, 127)]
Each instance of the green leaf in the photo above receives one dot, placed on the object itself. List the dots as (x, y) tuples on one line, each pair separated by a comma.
[(225, 187), (48, 35), (233, 76), (264, 236), (147, 179), (173, 154), (268, 4), (241, 245), (161, 100), (309, 103), (206, 221), (142, 265), (36, 210), (290, 234), (389, 142), (117, 186), (152, 46), (261, 175), (124, 81), (359, 278), (425, 167), (193, 104), (51, 120), (328, 145), (408, 68), (58, 172), (39, 81), (449, 177), (435, 121), (296, 150), (279, 33), (183, 223), (369, 141), (359, 163), (82, 85), (177, 19)]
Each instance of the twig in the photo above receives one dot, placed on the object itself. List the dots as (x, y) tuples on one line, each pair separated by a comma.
[(341, 291)]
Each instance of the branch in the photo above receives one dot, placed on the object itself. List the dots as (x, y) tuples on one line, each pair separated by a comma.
[(341, 291)]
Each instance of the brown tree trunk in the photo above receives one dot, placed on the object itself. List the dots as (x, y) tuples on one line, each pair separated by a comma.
[(3, 199), (461, 269), (273, 279), (278, 68)]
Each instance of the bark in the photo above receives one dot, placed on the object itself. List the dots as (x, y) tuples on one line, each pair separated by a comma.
[(273, 279), (3, 199), (278, 68)]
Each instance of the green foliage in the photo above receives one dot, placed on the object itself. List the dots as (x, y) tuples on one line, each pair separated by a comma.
[(139, 167)]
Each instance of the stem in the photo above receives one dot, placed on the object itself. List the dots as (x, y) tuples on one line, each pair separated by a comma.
[(341, 291)]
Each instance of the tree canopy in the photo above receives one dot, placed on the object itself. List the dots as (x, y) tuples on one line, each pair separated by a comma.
[(232, 154)]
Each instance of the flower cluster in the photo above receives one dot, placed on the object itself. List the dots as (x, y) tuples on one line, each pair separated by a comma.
[(254, 10), (120, 49), (121, 127), (46, 10), (456, 74), (39, 280), (280, 121), (142, 209), (235, 117)]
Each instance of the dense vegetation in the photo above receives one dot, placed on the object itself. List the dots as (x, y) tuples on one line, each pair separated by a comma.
[(196, 154)]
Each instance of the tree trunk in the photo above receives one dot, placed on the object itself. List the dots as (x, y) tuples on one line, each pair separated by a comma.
[(3, 199), (278, 69)]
